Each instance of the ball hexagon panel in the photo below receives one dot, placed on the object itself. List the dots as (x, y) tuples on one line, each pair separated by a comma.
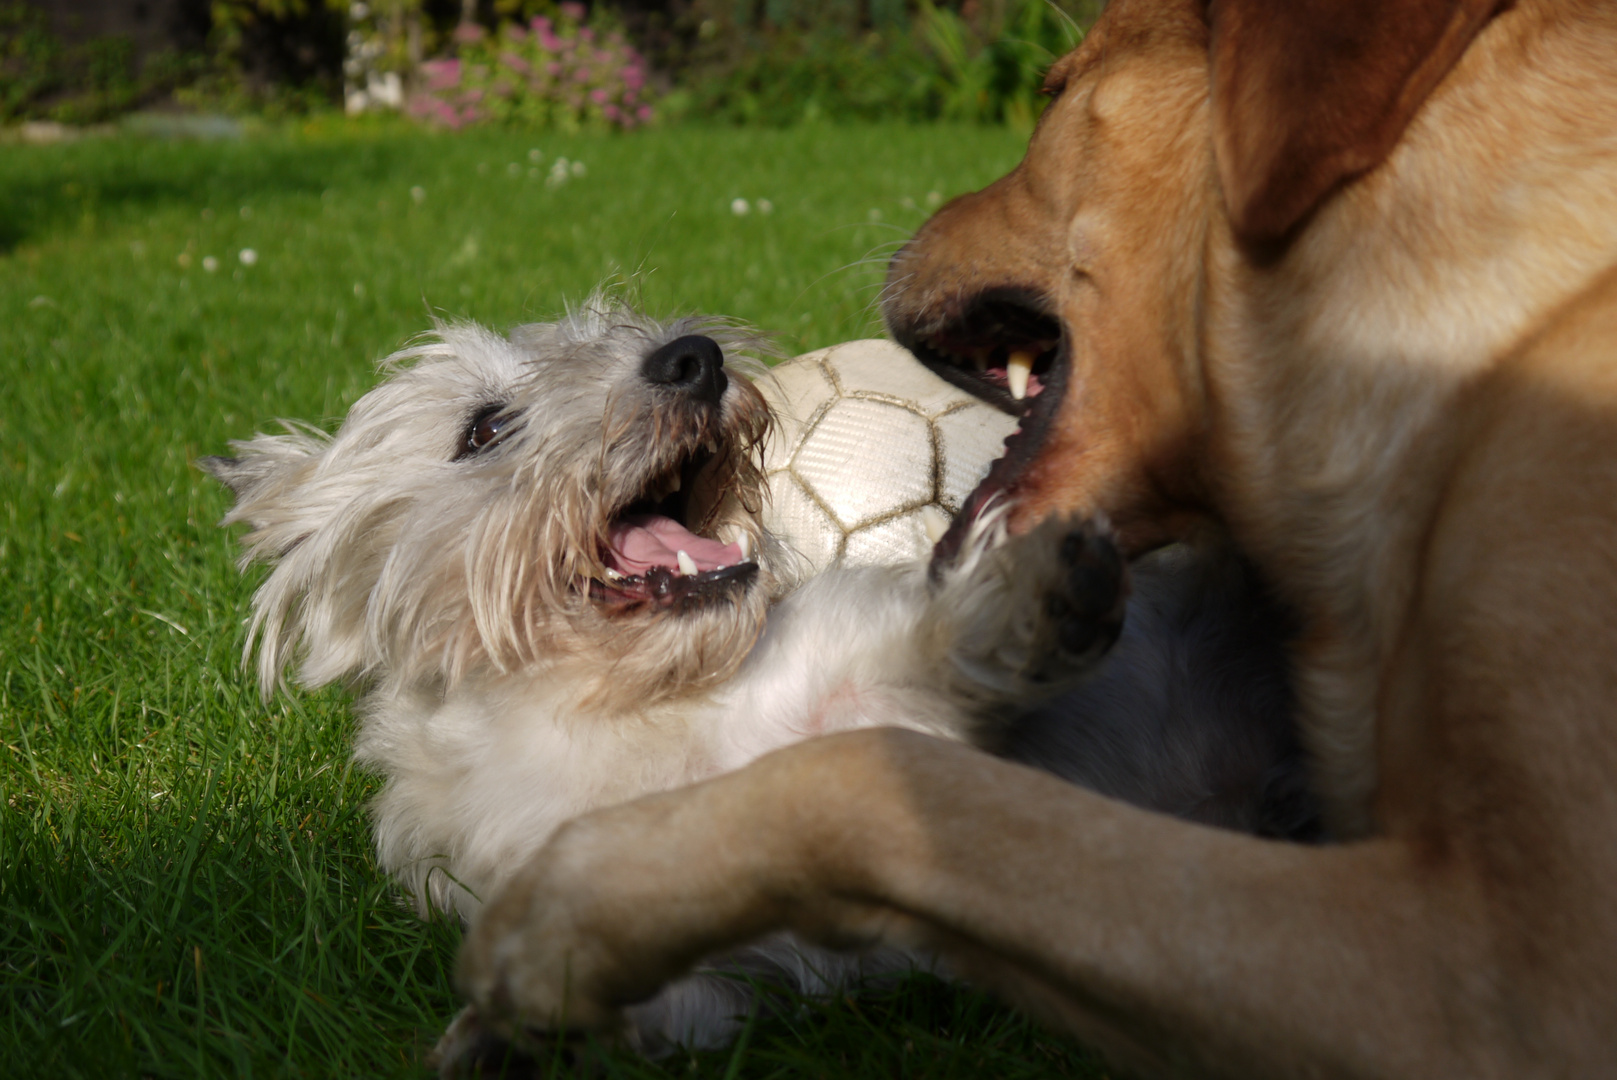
[(881, 369), (969, 439), (796, 391), (897, 539), (867, 460), (793, 515), (872, 454)]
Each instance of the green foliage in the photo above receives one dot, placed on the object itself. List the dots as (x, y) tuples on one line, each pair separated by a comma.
[(821, 73), (996, 78), (784, 62), (30, 58), (84, 84)]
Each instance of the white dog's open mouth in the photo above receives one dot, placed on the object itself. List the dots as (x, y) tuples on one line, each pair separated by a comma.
[(1004, 347), (656, 550)]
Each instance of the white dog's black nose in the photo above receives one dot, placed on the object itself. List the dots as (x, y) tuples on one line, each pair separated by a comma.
[(692, 365)]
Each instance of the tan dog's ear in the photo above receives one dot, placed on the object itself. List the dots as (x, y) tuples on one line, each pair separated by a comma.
[(1309, 93)]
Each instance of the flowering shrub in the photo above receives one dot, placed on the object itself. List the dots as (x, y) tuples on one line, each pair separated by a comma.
[(555, 73)]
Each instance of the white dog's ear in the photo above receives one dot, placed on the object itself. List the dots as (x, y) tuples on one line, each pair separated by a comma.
[(242, 474), (1310, 93), (263, 474)]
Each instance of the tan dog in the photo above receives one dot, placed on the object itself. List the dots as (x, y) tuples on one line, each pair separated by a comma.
[(1341, 277)]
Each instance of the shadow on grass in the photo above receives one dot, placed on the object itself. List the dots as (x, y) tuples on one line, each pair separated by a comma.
[(45, 190)]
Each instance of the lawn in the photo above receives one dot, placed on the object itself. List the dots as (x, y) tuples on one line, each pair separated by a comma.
[(186, 883)]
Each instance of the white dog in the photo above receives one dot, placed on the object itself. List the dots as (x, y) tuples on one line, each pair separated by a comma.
[(541, 559)]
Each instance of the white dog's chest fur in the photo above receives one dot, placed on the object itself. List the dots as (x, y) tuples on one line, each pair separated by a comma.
[(480, 779)]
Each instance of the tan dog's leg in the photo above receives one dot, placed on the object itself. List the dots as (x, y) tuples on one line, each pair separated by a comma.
[(890, 836)]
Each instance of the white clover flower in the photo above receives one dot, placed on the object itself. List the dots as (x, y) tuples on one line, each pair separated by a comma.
[(765, 206), (578, 168), (209, 263), (419, 194), (248, 257), (739, 207), (535, 155)]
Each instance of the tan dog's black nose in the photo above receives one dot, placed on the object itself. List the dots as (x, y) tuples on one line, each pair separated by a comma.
[(692, 365)]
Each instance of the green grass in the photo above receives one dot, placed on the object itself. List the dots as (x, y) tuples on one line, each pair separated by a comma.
[(186, 883)]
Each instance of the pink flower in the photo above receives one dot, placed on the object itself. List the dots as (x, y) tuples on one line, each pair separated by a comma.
[(515, 63), (472, 97), (441, 74), (644, 112), (633, 77), (467, 33), (539, 24), (581, 75), (612, 112), (586, 34), (554, 69), (572, 10), (599, 96)]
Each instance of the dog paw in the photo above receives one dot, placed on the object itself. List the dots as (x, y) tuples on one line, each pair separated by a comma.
[(473, 1049), (1084, 593), (1032, 614)]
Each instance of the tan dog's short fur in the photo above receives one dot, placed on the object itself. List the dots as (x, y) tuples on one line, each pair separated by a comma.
[(1341, 278)]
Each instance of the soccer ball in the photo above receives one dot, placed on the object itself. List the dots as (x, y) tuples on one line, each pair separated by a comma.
[(873, 455)]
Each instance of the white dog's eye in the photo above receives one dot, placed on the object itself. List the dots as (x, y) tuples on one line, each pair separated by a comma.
[(486, 428)]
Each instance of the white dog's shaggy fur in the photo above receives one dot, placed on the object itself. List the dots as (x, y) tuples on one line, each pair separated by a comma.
[(540, 558)]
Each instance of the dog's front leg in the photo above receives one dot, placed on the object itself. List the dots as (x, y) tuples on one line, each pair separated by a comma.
[(1020, 620), (1159, 941)]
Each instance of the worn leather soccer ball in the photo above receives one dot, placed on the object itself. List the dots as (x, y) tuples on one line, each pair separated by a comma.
[(874, 453)]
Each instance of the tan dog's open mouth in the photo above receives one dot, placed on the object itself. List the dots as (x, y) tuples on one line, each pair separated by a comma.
[(1007, 349)]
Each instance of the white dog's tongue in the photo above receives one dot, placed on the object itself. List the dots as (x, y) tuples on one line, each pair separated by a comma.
[(639, 543)]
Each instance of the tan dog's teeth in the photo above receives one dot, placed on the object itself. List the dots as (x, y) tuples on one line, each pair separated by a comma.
[(687, 565), (1017, 370), (675, 484), (935, 522), (743, 540), (614, 575)]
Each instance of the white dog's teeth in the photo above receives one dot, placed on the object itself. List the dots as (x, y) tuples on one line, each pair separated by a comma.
[(614, 575), (935, 522), (711, 447), (687, 565), (743, 540), (1017, 370)]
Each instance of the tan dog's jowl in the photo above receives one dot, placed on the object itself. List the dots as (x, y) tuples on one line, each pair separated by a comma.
[(1342, 278)]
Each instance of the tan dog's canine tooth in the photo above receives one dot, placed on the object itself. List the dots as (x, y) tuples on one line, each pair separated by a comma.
[(1017, 370)]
